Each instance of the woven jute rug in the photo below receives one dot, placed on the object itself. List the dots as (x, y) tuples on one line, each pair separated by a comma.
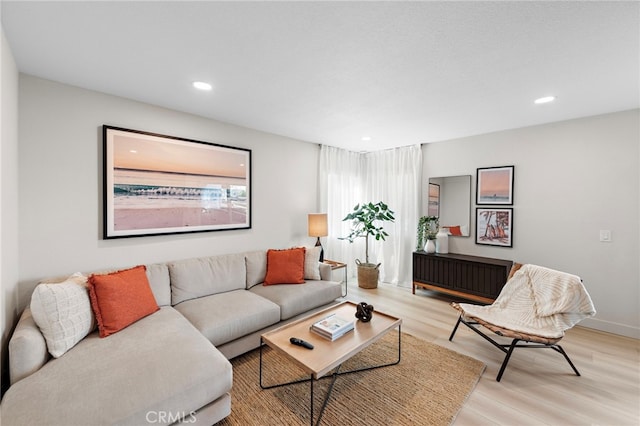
[(427, 387)]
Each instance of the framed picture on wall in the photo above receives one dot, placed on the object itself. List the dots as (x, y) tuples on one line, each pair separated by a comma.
[(156, 184), (433, 206), (494, 226), (494, 185)]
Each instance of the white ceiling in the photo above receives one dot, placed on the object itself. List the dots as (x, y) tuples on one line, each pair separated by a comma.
[(331, 72)]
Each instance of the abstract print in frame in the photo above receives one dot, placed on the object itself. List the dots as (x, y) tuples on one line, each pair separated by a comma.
[(494, 226), (156, 184), (494, 185)]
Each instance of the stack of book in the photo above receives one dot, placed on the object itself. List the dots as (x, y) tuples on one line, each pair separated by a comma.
[(332, 327)]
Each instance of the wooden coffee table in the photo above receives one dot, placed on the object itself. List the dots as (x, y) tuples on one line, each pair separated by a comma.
[(327, 356)]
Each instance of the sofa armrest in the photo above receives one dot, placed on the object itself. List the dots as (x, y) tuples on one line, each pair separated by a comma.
[(27, 348), (325, 272)]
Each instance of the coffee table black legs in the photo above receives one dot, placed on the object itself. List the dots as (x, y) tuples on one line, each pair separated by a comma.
[(326, 398), (337, 372)]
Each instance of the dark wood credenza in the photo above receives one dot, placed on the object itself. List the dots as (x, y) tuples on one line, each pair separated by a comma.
[(469, 277)]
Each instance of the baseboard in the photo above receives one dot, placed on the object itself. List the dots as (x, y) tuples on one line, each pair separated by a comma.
[(611, 327)]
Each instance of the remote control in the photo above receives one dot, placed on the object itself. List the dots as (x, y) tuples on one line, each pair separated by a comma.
[(301, 342)]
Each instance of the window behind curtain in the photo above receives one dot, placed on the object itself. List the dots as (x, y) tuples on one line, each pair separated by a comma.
[(393, 176)]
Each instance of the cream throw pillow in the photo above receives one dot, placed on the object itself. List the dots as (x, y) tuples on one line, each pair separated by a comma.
[(312, 263), (63, 313)]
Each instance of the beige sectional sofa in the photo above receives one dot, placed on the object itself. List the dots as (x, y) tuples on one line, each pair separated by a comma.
[(169, 367)]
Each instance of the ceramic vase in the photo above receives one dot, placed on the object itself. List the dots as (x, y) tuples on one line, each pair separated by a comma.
[(430, 247), (442, 241)]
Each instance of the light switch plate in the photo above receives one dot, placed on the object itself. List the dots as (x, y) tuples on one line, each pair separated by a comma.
[(605, 236)]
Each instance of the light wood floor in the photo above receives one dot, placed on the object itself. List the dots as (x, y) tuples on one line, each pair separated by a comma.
[(538, 386)]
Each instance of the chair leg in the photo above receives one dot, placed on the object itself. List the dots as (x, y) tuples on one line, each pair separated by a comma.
[(513, 345), (559, 349), (455, 328), (506, 359)]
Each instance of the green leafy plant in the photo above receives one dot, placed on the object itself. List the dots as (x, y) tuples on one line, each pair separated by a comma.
[(427, 229), (365, 222)]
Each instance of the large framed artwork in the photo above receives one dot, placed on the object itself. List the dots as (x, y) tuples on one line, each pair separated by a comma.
[(494, 226), (157, 184), (494, 185)]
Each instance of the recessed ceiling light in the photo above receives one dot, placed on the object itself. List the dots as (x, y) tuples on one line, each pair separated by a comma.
[(201, 85), (366, 138), (545, 100)]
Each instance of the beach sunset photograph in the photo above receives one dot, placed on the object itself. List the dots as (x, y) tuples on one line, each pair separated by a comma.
[(157, 184), (495, 185)]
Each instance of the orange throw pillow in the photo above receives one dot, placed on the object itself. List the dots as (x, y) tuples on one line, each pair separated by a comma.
[(455, 230), (285, 266), (121, 298)]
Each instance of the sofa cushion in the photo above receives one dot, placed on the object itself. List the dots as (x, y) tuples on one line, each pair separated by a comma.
[(121, 379), (296, 299), (224, 317), (121, 298), (63, 313), (256, 263), (158, 275), (285, 266), (193, 278)]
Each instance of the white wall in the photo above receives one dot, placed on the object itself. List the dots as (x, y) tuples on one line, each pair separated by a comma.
[(61, 193), (8, 195), (572, 179)]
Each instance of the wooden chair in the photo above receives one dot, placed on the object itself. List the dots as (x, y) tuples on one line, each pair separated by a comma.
[(514, 298)]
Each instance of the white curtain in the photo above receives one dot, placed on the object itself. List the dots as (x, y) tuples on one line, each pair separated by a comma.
[(340, 188), (392, 176)]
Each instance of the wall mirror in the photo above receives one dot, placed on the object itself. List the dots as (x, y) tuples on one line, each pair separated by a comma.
[(449, 198)]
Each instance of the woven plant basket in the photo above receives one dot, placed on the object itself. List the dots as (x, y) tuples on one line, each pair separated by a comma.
[(367, 274)]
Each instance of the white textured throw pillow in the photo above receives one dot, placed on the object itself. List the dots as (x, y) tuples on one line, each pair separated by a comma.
[(63, 313), (312, 263)]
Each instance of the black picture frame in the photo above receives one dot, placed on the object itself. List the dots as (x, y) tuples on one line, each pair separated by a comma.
[(156, 184), (494, 185), (494, 226)]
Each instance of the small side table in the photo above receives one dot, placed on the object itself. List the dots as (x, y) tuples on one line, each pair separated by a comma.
[(339, 265)]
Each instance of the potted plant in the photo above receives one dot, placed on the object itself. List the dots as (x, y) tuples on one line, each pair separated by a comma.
[(427, 229), (365, 222)]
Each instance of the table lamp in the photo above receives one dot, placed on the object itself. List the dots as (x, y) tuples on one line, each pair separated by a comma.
[(318, 228)]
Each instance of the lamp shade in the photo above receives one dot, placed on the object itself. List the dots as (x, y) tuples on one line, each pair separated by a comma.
[(318, 225)]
